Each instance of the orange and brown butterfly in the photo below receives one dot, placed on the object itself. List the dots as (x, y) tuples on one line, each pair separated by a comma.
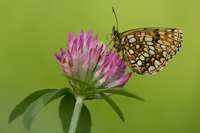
[(147, 50)]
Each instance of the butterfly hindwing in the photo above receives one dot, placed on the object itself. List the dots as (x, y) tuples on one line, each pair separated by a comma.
[(147, 50), (171, 36)]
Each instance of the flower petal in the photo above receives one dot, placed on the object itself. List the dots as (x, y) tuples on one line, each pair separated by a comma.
[(119, 82), (71, 38), (59, 57)]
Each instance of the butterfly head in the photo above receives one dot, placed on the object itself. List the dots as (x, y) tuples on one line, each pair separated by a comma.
[(115, 32)]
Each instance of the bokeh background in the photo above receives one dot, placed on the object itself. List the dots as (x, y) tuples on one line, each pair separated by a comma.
[(32, 30)]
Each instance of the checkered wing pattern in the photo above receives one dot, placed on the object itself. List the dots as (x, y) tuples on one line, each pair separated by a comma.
[(147, 50)]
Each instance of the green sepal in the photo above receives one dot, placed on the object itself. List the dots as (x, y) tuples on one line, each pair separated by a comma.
[(113, 105), (79, 81), (121, 91), (66, 109), (23, 105), (38, 104)]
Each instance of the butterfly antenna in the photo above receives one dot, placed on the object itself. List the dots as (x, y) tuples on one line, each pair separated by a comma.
[(115, 16)]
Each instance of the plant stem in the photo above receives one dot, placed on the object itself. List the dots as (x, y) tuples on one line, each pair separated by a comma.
[(76, 114)]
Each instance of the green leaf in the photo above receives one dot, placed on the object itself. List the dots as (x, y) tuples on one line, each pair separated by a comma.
[(113, 105), (121, 91), (66, 109), (38, 104), (79, 81), (23, 105)]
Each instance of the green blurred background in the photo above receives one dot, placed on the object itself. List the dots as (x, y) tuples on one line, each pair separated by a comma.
[(31, 31)]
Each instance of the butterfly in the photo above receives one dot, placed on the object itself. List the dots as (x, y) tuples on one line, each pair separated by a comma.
[(147, 50)]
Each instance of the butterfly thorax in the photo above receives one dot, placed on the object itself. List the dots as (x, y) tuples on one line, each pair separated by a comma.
[(116, 40)]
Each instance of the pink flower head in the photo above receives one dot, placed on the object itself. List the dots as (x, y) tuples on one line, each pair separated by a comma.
[(91, 61)]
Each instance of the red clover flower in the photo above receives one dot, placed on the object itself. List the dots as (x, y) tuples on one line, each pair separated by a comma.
[(91, 61)]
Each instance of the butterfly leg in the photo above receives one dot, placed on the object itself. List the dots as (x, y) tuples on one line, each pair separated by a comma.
[(109, 42), (119, 54)]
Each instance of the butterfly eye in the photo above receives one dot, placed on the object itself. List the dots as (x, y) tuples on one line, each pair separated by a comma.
[(116, 33)]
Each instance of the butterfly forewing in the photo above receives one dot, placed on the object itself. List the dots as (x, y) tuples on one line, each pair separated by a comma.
[(147, 50)]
